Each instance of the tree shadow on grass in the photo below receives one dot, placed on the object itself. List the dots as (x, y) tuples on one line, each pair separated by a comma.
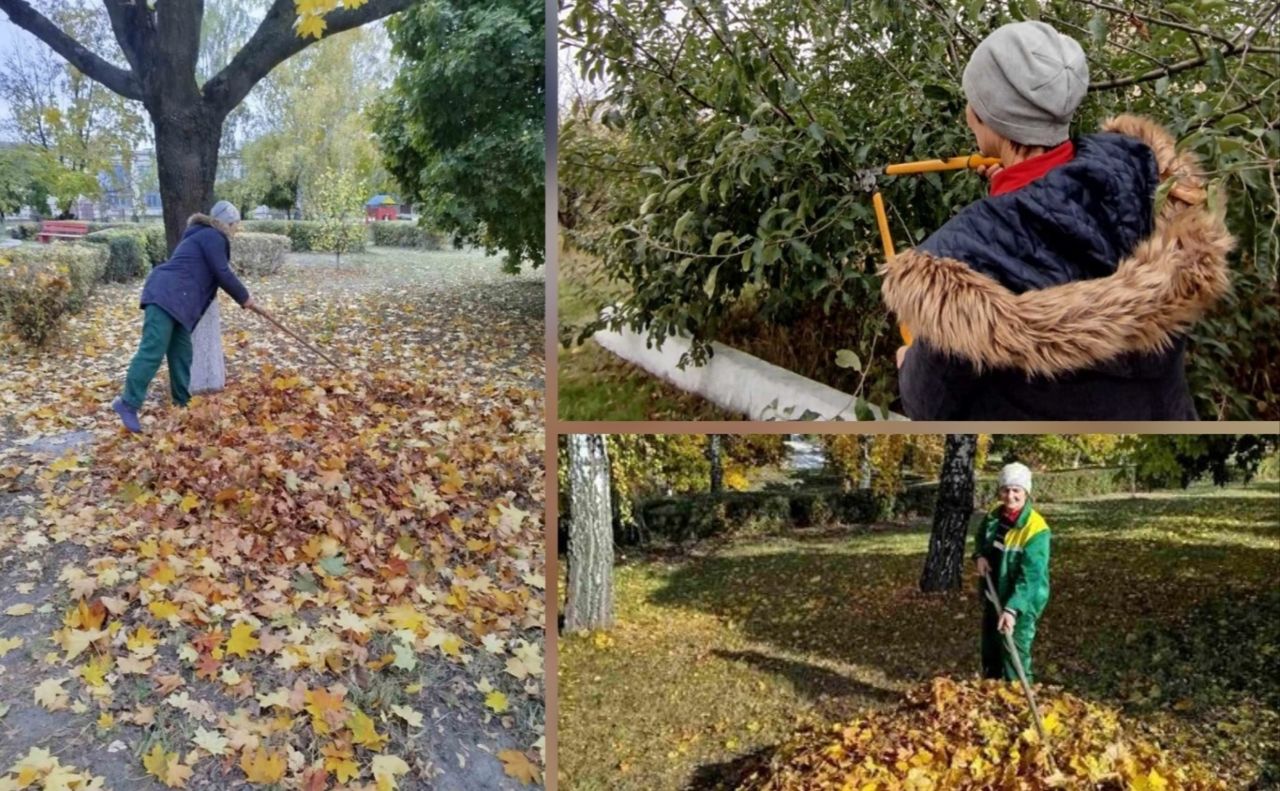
[(811, 680)]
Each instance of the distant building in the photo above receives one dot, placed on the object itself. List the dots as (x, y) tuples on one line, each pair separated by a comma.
[(381, 207)]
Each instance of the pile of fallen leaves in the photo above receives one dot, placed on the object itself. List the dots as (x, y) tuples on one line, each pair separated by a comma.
[(952, 734), (278, 564)]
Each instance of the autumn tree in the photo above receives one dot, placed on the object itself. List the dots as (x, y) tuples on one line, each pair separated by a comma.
[(944, 565), (160, 44), (336, 202), (462, 128), (717, 465), (589, 603)]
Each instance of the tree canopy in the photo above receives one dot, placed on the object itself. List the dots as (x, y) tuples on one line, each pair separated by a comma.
[(462, 129)]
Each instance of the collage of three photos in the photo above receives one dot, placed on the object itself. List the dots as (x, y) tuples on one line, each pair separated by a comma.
[(493, 394)]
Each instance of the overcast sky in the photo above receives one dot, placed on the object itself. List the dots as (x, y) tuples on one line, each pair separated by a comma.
[(11, 37)]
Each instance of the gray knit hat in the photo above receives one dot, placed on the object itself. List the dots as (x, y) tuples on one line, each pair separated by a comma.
[(225, 211), (1025, 81), (1016, 474)]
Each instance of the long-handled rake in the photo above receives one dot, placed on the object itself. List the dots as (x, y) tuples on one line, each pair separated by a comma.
[(264, 314), (1022, 676)]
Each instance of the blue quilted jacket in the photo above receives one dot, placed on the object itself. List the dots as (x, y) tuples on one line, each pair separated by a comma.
[(1068, 299), (186, 284)]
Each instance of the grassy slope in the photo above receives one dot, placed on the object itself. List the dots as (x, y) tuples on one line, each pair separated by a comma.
[(594, 383), (721, 655)]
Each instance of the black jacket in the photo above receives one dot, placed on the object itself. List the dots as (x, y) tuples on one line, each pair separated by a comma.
[(1067, 299)]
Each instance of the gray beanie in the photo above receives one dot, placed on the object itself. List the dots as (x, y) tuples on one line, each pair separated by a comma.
[(1016, 474), (1025, 81), (225, 211)]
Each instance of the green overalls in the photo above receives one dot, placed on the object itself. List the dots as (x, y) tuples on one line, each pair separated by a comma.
[(1020, 571)]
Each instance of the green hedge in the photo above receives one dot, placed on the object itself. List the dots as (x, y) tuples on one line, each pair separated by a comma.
[(403, 234), (26, 231), (1046, 486), (258, 253), (128, 253), (303, 233), (695, 517), (41, 284)]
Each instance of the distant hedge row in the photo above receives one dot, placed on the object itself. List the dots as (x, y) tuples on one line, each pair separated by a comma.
[(695, 517)]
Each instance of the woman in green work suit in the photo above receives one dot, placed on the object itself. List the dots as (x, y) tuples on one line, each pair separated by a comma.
[(1012, 546)]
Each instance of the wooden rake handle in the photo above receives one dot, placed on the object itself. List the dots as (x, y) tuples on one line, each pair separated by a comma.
[(264, 314)]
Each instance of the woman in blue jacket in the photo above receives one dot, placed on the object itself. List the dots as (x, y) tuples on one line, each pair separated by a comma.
[(175, 296)]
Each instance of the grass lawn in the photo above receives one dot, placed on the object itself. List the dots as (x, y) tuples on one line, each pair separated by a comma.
[(1165, 606), (595, 384)]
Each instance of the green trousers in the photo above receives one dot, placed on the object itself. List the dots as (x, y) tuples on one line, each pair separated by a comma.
[(162, 337), (996, 662)]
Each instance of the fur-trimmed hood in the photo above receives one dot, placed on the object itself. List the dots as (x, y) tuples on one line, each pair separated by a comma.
[(203, 219), (1159, 290)]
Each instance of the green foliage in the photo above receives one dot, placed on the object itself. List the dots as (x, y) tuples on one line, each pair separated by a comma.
[(463, 129), (721, 161), (1048, 486), (305, 235), (691, 518), (25, 231), (1056, 450), (1181, 459), (128, 253), (258, 253), (40, 284), (403, 234), (335, 202)]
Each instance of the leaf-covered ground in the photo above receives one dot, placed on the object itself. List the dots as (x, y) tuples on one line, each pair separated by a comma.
[(315, 579), (1165, 607)]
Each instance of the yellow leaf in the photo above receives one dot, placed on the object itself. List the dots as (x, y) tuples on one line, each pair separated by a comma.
[(50, 694), (142, 637), (409, 715), (189, 503), (363, 732), (163, 609), (7, 644), (341, 761), (496, 701), (242, 640), (20, 609), (262, 767), (516, 764), (95, 670), (211, 742), (157, 761), (106, 720), (386, 768)]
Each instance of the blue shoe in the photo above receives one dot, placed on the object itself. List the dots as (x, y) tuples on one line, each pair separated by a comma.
[(128, 415)]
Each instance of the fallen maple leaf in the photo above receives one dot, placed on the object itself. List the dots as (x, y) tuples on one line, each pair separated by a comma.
[(497, 701), (242, 640), (50, 694), (516, 764), (386, 768), (262, 767), (363, 731)]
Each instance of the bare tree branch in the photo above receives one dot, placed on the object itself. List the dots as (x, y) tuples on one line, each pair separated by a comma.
[(275, 40), (122, 81)]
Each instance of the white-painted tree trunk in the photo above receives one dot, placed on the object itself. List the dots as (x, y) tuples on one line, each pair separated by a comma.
[(208, 368), (589, 604)]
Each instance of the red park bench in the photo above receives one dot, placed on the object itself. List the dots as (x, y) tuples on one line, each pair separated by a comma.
[(61, 229)]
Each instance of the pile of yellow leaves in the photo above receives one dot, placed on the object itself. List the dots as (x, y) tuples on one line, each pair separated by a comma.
[(952, 734), (404, 519)]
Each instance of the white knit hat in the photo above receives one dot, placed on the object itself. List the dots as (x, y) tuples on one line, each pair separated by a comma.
[(225, 211), (1025, 81), (1016, 474)]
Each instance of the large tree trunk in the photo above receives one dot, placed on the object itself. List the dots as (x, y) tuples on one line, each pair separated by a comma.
[(589, 604), (944, 566), (717, 465), (187, 161)]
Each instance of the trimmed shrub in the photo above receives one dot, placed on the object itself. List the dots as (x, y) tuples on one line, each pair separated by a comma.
[(696, 517), (304, 234), (403, 234), (26, 231), (1047, 486), (39, 284), (157, 244), (128, 257), (259, 253)]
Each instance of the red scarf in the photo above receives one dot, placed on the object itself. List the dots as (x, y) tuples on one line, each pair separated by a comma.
[(1011, 516), (1015, 177)]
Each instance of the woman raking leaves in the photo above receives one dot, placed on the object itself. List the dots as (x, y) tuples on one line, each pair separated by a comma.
[(175, 296)]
